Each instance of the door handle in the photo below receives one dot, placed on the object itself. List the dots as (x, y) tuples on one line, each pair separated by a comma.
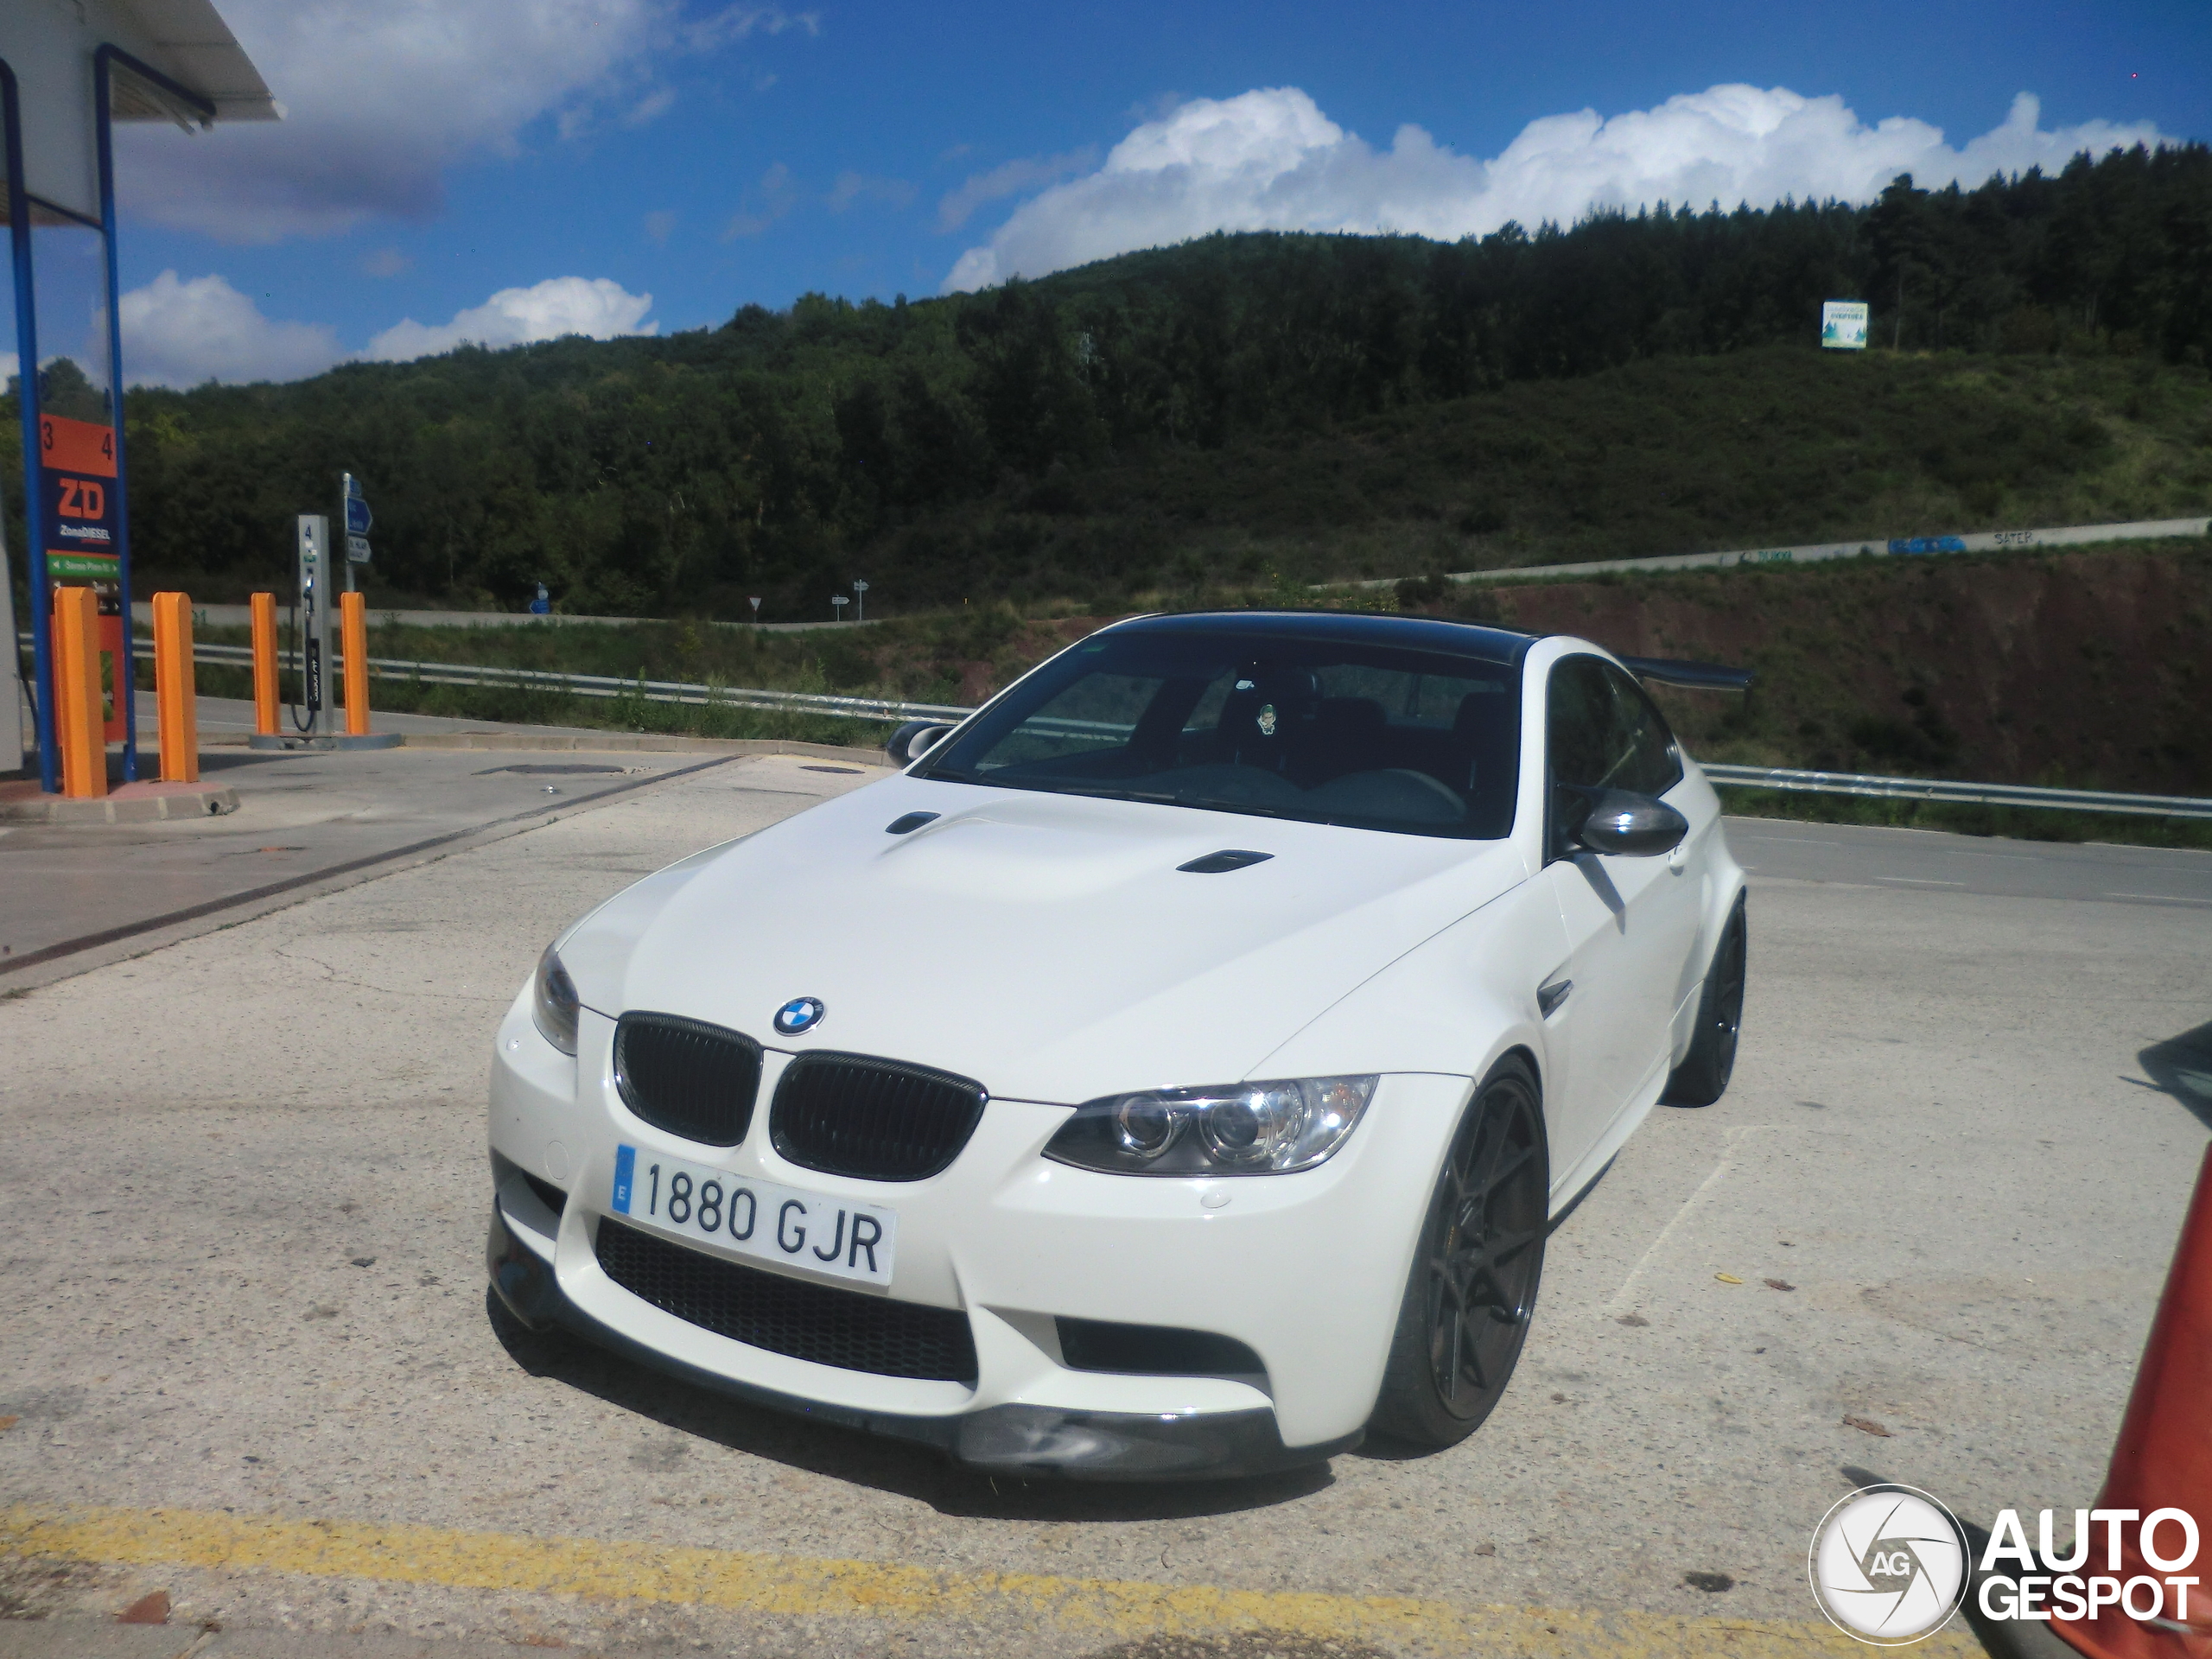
[(1549, 996)]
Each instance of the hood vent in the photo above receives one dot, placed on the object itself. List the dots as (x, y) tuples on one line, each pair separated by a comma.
[(687, 1077), (1222, 862), (876, 1120)]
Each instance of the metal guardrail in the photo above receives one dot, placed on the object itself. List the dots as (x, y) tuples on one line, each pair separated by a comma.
[(1989, 540), (1814, 783), (602, 685), (1932, 789)]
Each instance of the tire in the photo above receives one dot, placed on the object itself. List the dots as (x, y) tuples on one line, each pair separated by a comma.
[(1472, 1286), (1702, 1078)]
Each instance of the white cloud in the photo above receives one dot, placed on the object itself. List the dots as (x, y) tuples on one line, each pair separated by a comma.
[(775, 195), (659, 225), (515, 316), (1007, 179), (183, 333), (860, 186), (1271, 159), (736, 22), (383, 95), (651, 107)]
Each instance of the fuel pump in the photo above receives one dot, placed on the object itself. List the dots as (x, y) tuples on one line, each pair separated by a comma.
[(311, 716)]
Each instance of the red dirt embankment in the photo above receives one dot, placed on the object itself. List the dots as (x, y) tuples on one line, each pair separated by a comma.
[(2088, 668)]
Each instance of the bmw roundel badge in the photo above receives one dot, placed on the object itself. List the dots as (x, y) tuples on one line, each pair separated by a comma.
[(801, 1014)]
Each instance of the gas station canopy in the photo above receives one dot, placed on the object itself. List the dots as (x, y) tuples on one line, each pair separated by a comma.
[(68, 70), (52, 49)]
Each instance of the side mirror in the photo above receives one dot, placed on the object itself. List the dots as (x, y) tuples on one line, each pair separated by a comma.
[(912, 740), (1634, 826)]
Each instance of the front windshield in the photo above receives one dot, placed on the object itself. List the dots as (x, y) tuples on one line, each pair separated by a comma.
[(1324, 730)]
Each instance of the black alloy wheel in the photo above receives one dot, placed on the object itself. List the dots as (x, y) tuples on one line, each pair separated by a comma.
[(1702, 1078), (1473, 1286)]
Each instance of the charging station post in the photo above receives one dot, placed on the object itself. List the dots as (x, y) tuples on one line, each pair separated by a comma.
[(314, 622)]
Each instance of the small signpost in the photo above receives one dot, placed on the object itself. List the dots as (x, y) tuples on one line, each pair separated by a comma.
[(542, 604), (755, 602), (353, 507), (1843, 326), (860, 592), (837, 603)]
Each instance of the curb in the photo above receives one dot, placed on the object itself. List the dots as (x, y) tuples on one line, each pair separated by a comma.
[(639, 743), (129, 803), (599, 742), (326, 740)]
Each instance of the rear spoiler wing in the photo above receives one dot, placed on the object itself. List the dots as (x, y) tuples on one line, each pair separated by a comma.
[(1690, 677)]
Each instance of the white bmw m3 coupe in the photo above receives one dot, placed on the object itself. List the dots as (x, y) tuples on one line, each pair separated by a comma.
[(1174, 1072)]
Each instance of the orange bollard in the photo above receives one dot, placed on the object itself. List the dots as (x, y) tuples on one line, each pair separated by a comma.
[(354, 640), (2163, 1460), (77, 716), (264, 664), (176, 696)]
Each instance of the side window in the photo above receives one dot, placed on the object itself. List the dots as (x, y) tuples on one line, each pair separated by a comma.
[(1649, 763), (1580, 724), (1606, 734)]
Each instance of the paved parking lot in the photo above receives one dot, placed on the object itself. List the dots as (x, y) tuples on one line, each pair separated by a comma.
[(251, 1367)]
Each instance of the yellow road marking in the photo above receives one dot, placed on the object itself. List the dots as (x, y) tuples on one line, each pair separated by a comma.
[(800, 1586)]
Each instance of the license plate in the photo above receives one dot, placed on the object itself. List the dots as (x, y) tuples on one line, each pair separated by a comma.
[(756, 1218)]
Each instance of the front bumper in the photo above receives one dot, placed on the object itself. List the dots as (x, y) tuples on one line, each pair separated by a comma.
[(1305, 1271), (1017, 1439)]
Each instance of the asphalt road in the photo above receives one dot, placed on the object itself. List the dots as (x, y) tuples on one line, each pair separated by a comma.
[(299, 814), (250, 1368), (1902, 859)]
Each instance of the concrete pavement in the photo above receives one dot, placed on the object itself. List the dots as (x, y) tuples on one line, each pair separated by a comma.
[(306, 820), (253, 1366)]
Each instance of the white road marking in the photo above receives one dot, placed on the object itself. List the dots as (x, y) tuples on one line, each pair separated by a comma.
[(2158, 898), (1620, 1303), (1920, 880)]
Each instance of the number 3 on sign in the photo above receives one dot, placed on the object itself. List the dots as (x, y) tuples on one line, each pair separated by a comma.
[(76, 446)]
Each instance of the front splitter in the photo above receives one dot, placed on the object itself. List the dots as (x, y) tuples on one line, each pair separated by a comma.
[(1017, 1439)]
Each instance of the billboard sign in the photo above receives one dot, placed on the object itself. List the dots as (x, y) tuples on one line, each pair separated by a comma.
[(1843, 326), (76, 468)]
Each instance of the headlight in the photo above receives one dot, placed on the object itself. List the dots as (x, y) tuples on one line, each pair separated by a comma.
[(1239, 1128), (553, 1002)]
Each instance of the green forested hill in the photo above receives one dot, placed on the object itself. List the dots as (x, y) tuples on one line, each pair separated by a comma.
[(1247, 409)]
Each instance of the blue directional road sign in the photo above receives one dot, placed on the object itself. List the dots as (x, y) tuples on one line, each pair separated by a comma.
[(358, 520), (358, 516)]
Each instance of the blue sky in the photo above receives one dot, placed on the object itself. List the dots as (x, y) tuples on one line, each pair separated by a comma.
[(441, 152)]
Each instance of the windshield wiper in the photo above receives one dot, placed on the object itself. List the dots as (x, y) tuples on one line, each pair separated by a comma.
[(1253, 808), (1045, 786)]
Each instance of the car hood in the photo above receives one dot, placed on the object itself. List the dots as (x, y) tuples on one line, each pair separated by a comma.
[(1046, 945)]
